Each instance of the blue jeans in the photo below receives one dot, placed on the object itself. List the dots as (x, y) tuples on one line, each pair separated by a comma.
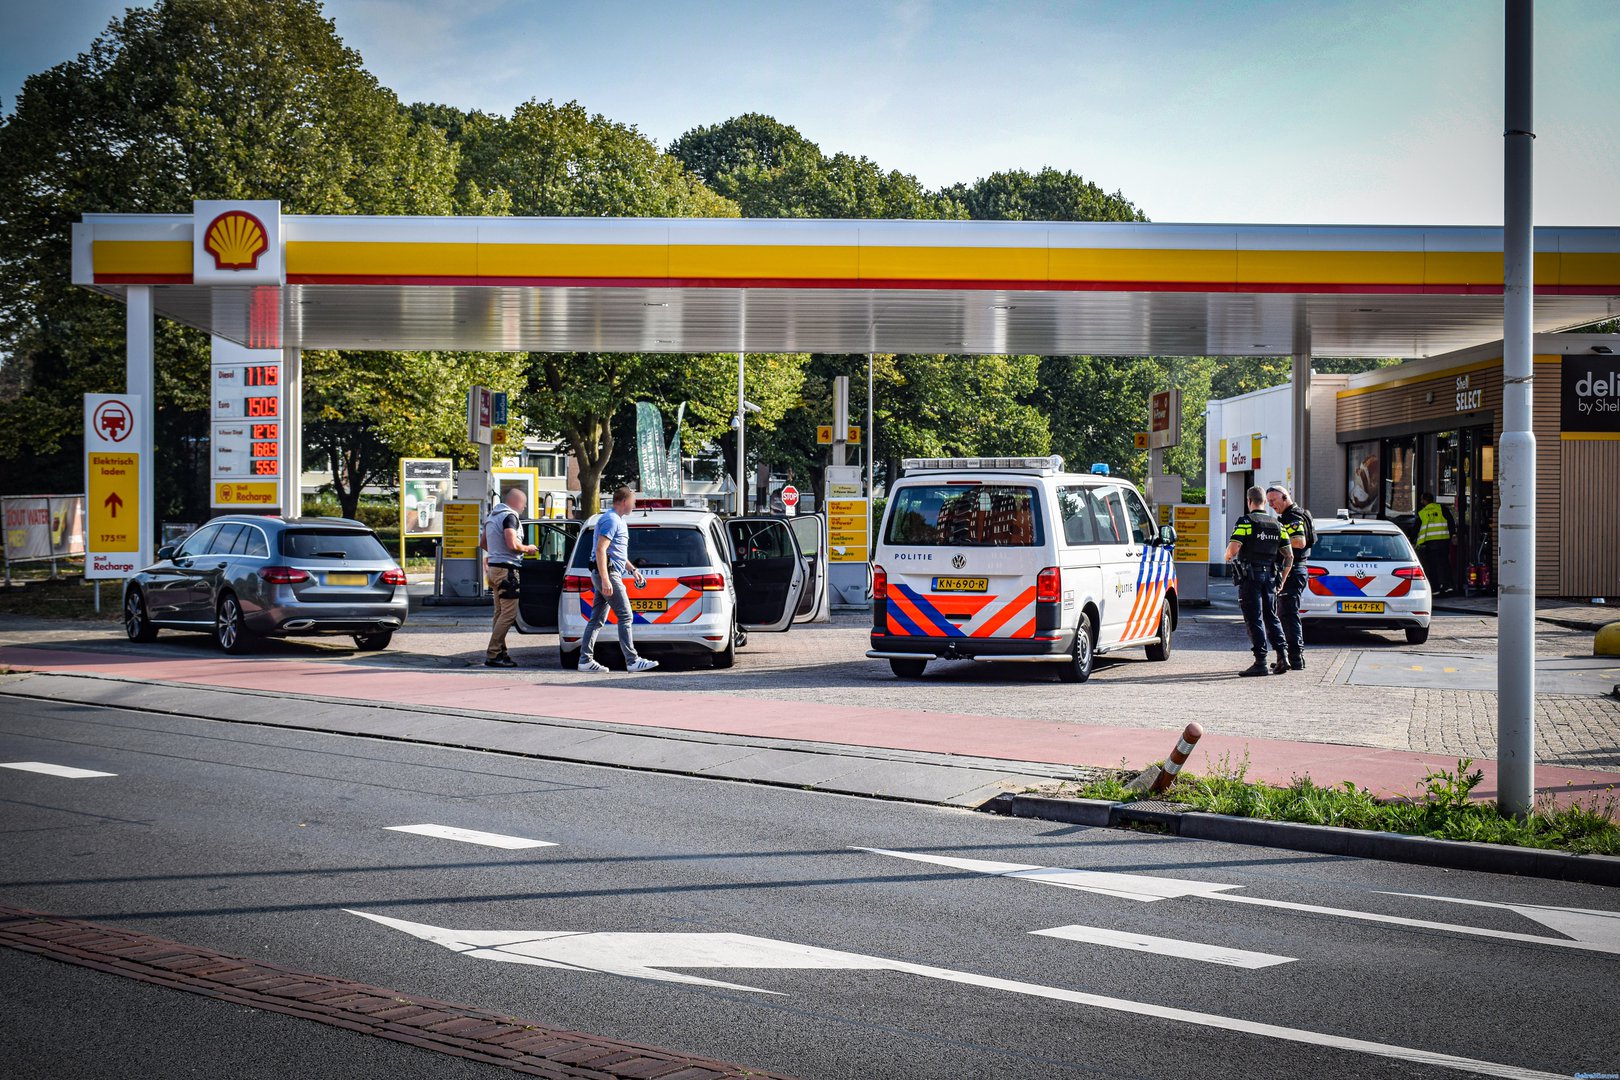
[(619, 604)]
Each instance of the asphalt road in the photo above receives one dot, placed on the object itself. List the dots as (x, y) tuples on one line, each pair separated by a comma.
[(260, 842)]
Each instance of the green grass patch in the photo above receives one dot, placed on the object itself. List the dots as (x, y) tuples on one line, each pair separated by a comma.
[(68, 598), (1442, 807)]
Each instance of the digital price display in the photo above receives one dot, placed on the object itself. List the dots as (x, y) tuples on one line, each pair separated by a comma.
[(247, 429)]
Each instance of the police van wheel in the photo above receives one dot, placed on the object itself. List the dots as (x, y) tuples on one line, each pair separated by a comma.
[(907, 669), (1160, 649), (1077, 669)]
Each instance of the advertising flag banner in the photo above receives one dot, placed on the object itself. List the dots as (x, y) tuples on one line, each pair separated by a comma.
[(651, 456)]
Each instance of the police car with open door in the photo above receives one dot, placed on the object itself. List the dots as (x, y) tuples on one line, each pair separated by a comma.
[(708, 581), (1015, 560)]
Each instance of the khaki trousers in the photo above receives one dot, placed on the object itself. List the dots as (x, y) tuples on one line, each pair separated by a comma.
[(503, 585)]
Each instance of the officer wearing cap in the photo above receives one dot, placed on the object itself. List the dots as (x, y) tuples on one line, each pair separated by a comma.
[(1254, 549), (1297, 526)]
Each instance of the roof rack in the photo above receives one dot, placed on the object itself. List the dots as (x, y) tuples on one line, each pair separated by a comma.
[(1045, 465)]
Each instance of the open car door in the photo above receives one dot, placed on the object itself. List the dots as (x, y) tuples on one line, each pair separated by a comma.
[(540, 579), (810, 531), (769, 572)]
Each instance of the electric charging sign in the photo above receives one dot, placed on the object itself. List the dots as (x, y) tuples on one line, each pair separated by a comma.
[(114, 547)]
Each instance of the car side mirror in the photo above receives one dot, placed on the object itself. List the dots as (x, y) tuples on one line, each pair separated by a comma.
[(166, 552), (1167, 535)]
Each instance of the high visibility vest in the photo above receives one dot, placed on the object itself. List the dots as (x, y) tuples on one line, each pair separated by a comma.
[(1432, 524)]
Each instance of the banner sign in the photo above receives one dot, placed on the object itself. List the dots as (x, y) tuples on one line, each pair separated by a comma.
[(112, 473), (658, 479), (425, 485), (42, 526), (1590, 395)]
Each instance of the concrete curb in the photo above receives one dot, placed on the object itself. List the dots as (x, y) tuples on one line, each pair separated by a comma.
[(1324, 839)]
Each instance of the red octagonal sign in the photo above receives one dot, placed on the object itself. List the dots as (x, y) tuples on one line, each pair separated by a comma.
[(790, 496)]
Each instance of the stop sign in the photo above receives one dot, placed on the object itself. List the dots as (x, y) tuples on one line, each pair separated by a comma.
[(790, 496)]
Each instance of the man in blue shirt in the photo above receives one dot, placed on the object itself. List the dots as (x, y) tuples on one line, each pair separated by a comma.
[(609, 565)]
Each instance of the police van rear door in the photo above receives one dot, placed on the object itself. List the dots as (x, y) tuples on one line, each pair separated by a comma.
[(962, 556)]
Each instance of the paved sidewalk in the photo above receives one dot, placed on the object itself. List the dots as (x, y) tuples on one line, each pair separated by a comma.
[(817, 744)]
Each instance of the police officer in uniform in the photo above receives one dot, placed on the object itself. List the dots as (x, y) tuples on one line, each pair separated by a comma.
[(1254, 550), (1434, 543), (1293, 518)]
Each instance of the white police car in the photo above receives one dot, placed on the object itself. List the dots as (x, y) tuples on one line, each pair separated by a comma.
[(1365, 574), (707, 581)]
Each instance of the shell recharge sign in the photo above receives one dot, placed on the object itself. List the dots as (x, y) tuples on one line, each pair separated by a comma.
[(114, 545)]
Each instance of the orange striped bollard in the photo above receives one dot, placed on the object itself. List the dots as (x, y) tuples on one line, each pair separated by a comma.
[(1178, 757)]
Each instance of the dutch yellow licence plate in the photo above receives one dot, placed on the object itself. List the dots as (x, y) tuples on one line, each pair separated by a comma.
[(961, 584), (1361, 607), (346, 579), (649, 605)]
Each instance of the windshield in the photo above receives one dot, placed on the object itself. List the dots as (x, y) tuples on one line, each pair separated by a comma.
[(332, 544), (965, 515), (653, 547), (1360, 547)]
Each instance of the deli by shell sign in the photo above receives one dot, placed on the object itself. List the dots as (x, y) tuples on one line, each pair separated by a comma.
[(1590, 402)]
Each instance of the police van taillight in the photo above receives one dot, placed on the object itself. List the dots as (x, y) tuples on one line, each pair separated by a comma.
[(1049, 586), (880, 584)]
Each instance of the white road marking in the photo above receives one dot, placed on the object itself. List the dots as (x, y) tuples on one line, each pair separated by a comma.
[(1425, 924), (472, 836), (47, 768), (1583, 924), (1141, 887), (641, 955), (1186, 950), (1126, 886)]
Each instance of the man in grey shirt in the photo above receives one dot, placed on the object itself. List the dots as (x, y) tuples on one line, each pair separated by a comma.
[(610, 562), (504, 547)]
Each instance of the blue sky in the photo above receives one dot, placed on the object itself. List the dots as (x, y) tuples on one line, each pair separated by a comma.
[(1320, 111)]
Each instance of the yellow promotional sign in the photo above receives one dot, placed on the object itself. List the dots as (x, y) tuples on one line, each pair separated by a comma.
[(461, 525), (847, 539), (246, 493), (1192, 533), (114, 502)]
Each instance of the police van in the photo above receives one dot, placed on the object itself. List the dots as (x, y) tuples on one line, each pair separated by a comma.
[(1015, 560)]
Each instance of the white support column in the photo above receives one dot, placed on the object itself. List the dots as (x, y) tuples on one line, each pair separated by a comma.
[(292, 443), (1302, 422), (1516, 466), (742, 424), (140, 378)]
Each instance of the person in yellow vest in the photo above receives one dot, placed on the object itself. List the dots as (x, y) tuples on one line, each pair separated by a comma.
[(1434, 543)]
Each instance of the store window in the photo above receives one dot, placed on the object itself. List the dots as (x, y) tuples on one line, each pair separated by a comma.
[(1400, 477), (1361, 488)]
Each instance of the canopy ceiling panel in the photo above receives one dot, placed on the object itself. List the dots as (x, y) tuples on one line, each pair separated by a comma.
[(891, 286)]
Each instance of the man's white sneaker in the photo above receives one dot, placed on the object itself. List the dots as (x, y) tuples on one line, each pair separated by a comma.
[(591, 666), (641, 665)]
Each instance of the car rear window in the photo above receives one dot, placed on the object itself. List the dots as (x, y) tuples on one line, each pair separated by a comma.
[(331, 544), (653, 547), (965, 515), (1344, 546)]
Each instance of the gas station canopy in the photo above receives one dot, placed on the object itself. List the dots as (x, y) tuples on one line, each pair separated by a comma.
[(246, 273)]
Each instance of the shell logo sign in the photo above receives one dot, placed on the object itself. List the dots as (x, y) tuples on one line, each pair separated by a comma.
[(236, 239), (238, 242)]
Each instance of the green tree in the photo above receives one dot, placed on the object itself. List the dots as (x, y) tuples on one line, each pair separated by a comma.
[(1049, 195), (188, 99)]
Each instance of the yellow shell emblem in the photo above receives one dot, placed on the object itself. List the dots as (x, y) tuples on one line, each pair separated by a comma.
[(236, 239)]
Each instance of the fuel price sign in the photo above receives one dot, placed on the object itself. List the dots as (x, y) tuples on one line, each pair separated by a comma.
[(248, 426)]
